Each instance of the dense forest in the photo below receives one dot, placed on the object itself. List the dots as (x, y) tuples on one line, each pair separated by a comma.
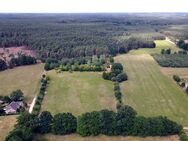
[(72, 35), (60, 36)]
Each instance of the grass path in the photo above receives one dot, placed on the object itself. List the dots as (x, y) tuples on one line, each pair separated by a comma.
[(151, 92), (78, 92)]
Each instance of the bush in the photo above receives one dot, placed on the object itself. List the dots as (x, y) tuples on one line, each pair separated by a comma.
[(107, 122), (64, 123), (3, 65), (176, 78), (121, 77), (183, 136), (118, 95), (43, 122), (16, 95), (89, 124), (20, 134), (125, 120)]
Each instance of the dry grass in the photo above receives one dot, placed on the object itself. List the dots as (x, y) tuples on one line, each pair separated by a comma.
[(76, 137), (182, 72), (6, 125), (25, 78)]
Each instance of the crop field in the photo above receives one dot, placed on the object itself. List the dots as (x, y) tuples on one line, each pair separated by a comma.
[(160, 44), (78, 92), (75, 137), (25, 78), (151, 92), (6, 125)]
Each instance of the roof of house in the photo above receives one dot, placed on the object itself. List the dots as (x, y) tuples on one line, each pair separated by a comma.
[(15, 105)]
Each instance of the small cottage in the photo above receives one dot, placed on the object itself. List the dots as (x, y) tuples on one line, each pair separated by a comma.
[(13, 107)]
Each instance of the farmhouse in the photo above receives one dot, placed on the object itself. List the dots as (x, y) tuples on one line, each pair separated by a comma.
[(13, 107)]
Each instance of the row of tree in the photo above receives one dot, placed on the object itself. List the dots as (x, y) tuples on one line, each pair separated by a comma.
[(21, 60), (124, 122)]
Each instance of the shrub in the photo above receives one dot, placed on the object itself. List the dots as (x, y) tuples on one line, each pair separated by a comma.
[(89, 124), (118, 95), (3, 65), (16, 95), (64, 123), (43, 122), (125, 120), (107, 122), (176, 78), (20, 134), (121, 77)]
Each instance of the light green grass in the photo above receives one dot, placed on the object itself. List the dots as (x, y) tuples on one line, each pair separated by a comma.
[(160, 44), (6, 125), (25, 78), (151, 92), (75, 137), (78, 92)]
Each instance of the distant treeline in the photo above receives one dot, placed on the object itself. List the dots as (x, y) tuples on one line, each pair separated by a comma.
[(54, 38), (21, 60)]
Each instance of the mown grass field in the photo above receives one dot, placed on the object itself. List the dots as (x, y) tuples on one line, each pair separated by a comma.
[(25, 78), (6, 125), (78, 92), (75, 137), (160, 44), (151, 92)]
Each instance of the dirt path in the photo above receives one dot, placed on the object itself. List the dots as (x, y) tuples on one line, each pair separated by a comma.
[(32, 104), (167, 39), (34, 99)]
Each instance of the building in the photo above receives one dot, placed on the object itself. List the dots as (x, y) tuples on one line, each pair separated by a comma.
[(13, 107)]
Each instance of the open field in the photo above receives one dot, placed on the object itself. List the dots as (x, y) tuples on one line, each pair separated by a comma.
[(160, 44), (6, 125), (75, 137), (182, 72), (151, 92), (25, 78), (78, 92)]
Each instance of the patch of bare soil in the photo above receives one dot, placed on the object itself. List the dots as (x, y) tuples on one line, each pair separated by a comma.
[(7, 53)]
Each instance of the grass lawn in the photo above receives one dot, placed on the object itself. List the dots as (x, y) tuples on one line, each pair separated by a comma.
[(75, 137), (151, 92), (78, 92), (6, 125), (160, 44), (25, 78)]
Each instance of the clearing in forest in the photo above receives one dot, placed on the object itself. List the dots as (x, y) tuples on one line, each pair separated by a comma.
[(160, 44), (78, 92)]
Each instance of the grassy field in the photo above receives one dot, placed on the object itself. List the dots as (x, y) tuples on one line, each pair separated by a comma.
[(25, 78), (75, 137), (151, 92), (160, 44), (78, 92), (6, 125), (182, 72)]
